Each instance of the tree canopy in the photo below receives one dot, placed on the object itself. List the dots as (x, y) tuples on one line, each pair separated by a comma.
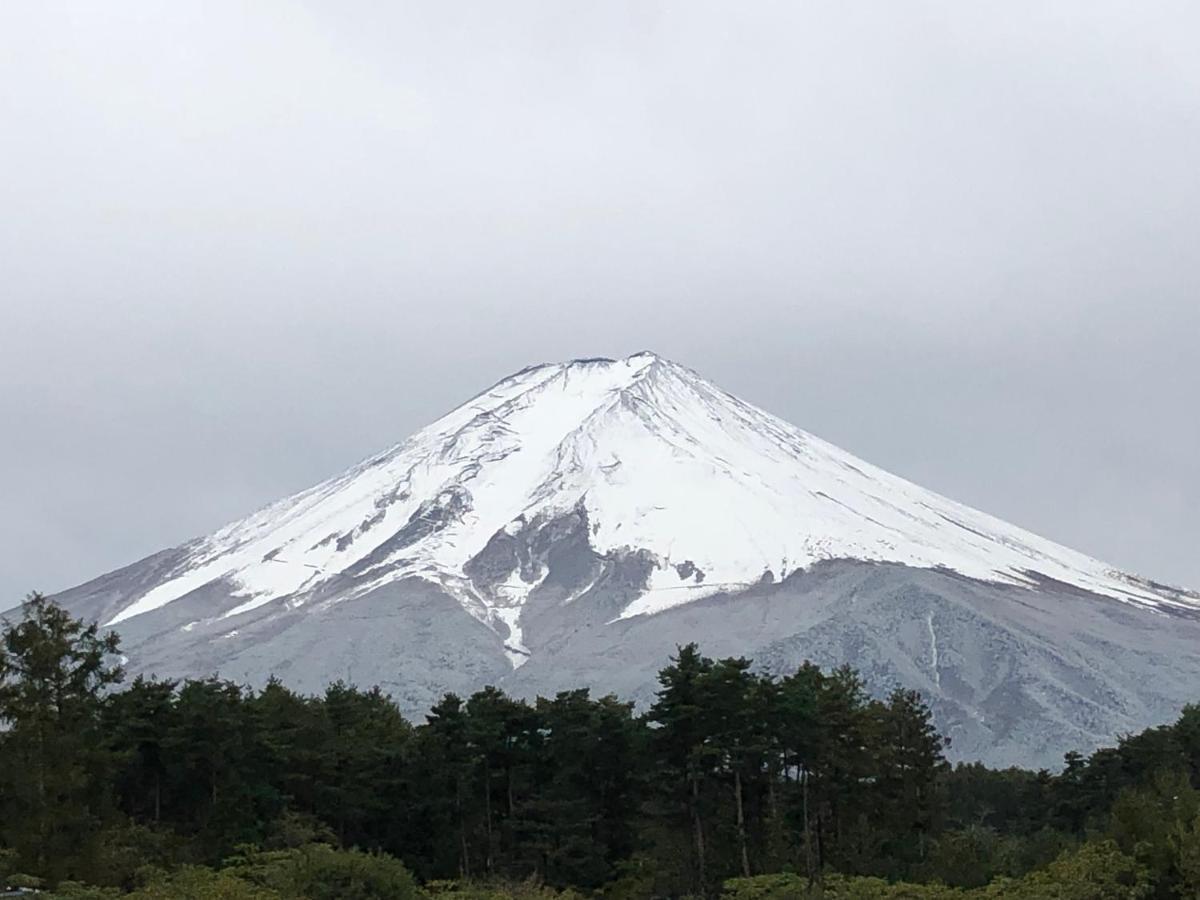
[(733, 780)]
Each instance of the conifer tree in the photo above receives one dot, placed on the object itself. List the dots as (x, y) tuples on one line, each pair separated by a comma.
[(138, 722), (682, 739), (296, 740), (54, 768), (911, 756), (447, 748), (366, 737), (735, 733), (799, 731), (498, 730), (587, 785)]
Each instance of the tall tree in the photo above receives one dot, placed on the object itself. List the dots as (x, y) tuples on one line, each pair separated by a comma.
[(138, 722), (499, 731), (911, 757), (55, 768), (221, 767), (365, 744), (843, 767), (680, 712), (296, 736), (736, 736), (448, 754), (587, 786), (800, 732)]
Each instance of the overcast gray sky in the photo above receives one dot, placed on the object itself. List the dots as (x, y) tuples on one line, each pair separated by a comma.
[(243, 245)]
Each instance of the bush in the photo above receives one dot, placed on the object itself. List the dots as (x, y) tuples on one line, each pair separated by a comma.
[(784, 886), (495, 890), (319, 872), (74, 890), (199, 883), (1096, 871)]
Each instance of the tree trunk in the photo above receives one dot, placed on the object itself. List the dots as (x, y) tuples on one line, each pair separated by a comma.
[(808, 857), (511, 841), (157, 796), (464, 859), (508, 782), (741, 822), (698, 831), (487, 806), (42, 824), (773, 842)]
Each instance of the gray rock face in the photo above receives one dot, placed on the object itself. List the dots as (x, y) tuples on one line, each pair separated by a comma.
[(1015, 676), (575, 523)]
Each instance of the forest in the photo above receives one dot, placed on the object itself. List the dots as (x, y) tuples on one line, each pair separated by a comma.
[(733, 783)]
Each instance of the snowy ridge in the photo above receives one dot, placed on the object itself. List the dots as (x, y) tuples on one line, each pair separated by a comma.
[(721, 493)]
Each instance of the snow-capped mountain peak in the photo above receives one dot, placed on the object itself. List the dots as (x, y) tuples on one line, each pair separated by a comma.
[(718, 494)]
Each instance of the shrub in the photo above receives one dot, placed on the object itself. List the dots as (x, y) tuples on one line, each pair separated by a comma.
[(319, 872)]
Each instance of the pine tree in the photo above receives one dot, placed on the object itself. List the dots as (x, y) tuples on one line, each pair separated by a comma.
[(499, 731), (138, 722), (296, 741), (911, 754), (362, 754), (54, 768), (735, 735), (801, 736), (447, 753), (220, 767), (843, 767), (682, 740), (587, 786)]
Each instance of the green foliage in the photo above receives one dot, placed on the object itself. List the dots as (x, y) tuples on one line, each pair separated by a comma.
[(9, 861), (1096, 871), (835, 887), (319, 872), (74, 890), (293, 829), (126, 849), (1185, 842), (496, 890), (56, 766), (782, 886), (732, 777), (199, 883)]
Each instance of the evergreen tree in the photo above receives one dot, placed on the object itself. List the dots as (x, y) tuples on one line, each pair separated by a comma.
[(587, 787), (363, 753), (912, 761), (296, 737), (501, 733), (221, 768), (729, 773), (55, 770), (684, 753), (447, 752), (138, 722), (736, 734), (799, 729)]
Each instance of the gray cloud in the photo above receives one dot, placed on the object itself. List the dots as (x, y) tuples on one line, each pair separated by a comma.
[(244, 245)]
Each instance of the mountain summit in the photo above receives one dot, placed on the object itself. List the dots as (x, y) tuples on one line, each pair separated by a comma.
[(579, 501)]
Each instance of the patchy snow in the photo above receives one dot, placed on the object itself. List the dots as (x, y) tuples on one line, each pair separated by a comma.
[(721, 493), (514, 648)]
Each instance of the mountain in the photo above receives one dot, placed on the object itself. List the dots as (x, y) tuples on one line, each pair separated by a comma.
[(574, 522)]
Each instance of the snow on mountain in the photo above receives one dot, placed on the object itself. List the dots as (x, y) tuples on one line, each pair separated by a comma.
[(722, 495)]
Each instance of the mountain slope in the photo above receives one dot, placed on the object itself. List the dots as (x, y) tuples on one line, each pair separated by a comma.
[(572, 502)]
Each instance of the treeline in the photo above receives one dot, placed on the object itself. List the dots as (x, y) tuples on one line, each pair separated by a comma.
[(729, 777)]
